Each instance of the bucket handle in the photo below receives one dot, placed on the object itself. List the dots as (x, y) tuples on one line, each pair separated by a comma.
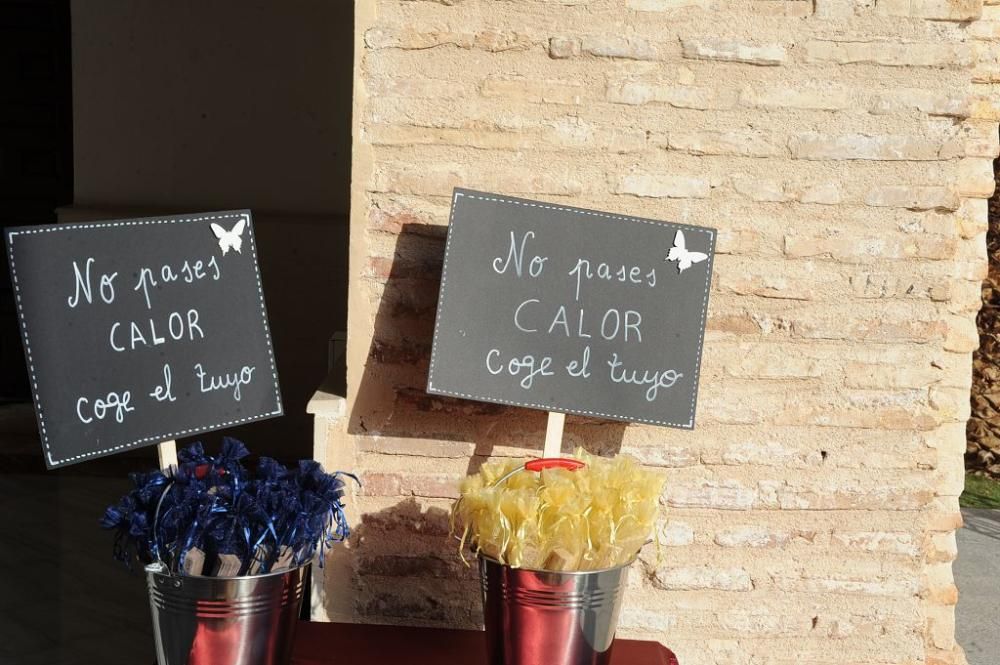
[(541, 464), (156, 525)]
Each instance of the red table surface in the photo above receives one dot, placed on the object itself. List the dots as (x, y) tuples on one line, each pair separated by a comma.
[(361, 644)]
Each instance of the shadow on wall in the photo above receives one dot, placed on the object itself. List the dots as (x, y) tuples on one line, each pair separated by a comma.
[(392, 400), (438, 590)]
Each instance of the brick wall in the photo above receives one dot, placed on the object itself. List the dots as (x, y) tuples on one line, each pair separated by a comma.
[(844, 150)]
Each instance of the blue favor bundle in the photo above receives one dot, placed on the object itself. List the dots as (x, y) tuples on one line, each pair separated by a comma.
[(209, 516)]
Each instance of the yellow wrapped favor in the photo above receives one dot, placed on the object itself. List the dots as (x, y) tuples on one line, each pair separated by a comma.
[(589, 518)]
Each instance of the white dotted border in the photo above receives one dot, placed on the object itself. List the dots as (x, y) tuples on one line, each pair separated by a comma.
[(576, 211), (138, 222)]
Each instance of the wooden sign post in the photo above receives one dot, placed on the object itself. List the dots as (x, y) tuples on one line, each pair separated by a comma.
[(554, 434), (166, 452), (141, 331), (570, 310)]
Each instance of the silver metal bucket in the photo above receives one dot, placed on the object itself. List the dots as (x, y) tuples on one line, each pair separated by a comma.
[(536, 617), (224, 620)]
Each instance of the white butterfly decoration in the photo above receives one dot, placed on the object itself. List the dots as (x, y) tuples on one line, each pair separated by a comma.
[(679, 252), (231, 239)]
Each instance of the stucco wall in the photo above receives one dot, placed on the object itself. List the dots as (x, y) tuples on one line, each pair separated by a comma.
[(844, 151)]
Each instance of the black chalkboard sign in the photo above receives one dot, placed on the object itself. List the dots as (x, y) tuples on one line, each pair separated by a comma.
[(139, 331), (571, 310)]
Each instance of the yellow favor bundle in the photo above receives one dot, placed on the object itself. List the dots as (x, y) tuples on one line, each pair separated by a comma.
[(594, 517)]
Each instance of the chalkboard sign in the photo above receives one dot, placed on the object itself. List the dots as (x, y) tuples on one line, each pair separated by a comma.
[(139, 331), (571, 310)]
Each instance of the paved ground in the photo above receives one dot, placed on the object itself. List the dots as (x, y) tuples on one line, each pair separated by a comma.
[(977, 574)]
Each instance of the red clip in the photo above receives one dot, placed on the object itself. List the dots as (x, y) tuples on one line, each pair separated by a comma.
[(554, 462), (202, 470)]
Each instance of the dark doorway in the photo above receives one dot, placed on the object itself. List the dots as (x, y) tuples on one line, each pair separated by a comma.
[(116, 109), (36, 145), (157, 108)]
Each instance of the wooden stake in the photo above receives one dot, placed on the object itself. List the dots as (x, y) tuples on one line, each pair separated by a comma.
[(554, 434), (167, 452)]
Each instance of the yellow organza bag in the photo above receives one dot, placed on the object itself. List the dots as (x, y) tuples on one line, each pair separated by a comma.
[(589, 518)]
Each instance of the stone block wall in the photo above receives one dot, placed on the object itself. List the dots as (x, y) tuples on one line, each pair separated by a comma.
[(843, 148)]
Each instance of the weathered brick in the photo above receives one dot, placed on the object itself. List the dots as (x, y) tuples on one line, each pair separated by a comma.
[(837, 9), (380, 484), (667, 456), (951, 403), (759, 189), (889, 53), (812, 98), (760, 536), (676, 534), (824, 193), (411, 566), (638, 619), (547, 92), (776, 365), (984, 104), (981, 139), (701, 578), (765, 453), (664, 186), (722, 495), (734, 51), (872, 375), (923, 101), (898, 587), (416, 447), (782, 8), (743, 143), (619, 47), (477, 138), (442, 486), (938, 10), (987, 65), (441, 179), (975, 178), (564, 47), (862, 249), (813, 145), (963, 336), (409, 38), (877, 541), (930, 197), (842, 495), (888, 285), (417, 88), (763, 623), (667, 5), (941, 547), (941, 626), (679, 96)]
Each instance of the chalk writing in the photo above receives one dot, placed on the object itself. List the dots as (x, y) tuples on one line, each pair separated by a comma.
[(235, 380), (147, 333), (118, 404), (516, 255), (189, 272), (571, 310), (162, 392), (83, 285), (137, 333)]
